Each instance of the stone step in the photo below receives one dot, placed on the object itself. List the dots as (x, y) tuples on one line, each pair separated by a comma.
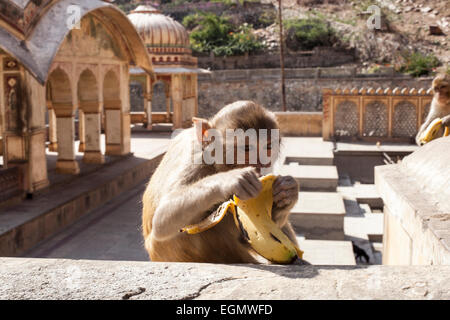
[(312, 178), (365, 208), (307, 151), (319, 215), (363, 194), (327, 252), (369, 227)]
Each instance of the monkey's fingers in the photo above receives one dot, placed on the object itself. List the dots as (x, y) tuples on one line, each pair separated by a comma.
[(210, 221)]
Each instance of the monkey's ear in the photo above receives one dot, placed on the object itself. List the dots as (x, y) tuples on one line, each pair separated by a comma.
[(201, 128)]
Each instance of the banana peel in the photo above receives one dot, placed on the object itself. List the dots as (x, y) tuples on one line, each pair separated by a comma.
[(253, 218), (433, 130)]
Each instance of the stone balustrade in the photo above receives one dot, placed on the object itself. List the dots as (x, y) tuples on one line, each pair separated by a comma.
[(374, 114)]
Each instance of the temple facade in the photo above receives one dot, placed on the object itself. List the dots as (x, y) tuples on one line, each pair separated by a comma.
[(167, 44), (60, 63)]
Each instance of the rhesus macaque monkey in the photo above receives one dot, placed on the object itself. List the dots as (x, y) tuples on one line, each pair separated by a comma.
[(181, 193), (440, 105)]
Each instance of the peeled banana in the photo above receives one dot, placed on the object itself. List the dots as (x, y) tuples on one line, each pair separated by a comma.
[(433, 130), (253, 218)]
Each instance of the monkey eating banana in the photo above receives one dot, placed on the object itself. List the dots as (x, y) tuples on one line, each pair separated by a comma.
[(253, 217), (433, 130)]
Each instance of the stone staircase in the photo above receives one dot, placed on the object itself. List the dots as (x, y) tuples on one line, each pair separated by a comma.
[(331, 212)]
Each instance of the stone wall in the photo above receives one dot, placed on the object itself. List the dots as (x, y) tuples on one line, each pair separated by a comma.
[(417, 205), (300, 124), (303, 86), (319, 57)]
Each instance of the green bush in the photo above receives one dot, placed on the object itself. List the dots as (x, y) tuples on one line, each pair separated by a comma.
[(216, 34), (418, 64), (267, 18), (191, 21), (306, 34)]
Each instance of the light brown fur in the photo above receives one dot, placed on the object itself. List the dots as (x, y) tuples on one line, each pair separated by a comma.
[(440, 105), (181, 193)]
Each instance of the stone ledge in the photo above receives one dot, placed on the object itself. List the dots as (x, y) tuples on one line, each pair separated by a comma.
[(418, 216), (87, 279)]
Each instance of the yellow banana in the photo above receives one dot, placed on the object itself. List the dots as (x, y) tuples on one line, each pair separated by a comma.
[(432, 131), (253, 217), (210, 221)]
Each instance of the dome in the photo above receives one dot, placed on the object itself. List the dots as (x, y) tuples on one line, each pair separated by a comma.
[(158, 30)]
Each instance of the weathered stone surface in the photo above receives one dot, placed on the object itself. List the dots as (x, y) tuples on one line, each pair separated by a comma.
[(84, 279), (417, 206)]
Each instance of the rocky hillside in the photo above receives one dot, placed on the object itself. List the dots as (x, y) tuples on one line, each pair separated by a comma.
[(407, 26)]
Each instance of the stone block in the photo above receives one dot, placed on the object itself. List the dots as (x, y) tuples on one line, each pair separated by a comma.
[(319, 215), (327, 252), (312, 178)]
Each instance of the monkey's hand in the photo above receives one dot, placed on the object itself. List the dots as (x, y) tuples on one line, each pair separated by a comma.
[(285, 195), (244, 183)]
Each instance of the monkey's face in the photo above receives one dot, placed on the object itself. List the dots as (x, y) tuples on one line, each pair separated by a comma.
[(259, 155), (441, 88)]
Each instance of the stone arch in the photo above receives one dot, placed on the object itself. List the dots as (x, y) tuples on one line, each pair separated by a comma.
[(87, 86), (375, 120), (111, 86), (346, 119), (59, 86), (89, 117), (62, 132), (404, 120)]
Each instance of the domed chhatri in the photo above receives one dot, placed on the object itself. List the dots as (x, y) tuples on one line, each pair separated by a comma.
[(167, 41)]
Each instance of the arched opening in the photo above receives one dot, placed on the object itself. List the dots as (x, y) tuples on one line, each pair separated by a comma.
[(89, 118), (61, 121)]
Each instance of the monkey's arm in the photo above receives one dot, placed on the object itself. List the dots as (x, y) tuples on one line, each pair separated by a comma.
[(187, 205)]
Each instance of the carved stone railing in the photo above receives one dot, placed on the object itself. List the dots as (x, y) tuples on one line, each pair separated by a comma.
[(374, 114)]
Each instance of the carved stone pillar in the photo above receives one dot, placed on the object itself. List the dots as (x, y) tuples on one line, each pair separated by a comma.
[(93, 130), (148, 110), (52, 137), (81, 130), (114, 126), (177, 100), (65, 117)]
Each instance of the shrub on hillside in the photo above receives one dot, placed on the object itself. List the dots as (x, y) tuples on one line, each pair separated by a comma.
[(306, 34), (216, 34), (418, 64)]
